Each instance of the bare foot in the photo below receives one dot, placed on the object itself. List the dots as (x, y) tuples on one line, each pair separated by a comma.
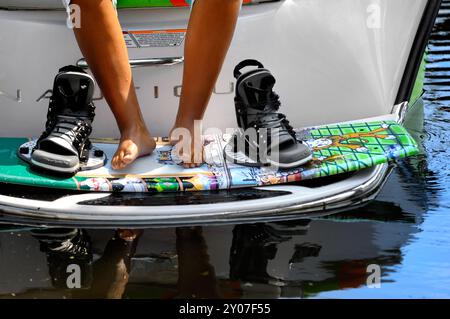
[(132, 145), (195, 156)]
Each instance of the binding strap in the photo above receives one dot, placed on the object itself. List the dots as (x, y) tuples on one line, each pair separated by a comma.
[(243, 64)]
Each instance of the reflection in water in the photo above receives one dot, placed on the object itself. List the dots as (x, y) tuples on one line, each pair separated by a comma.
[(196, 276), (404, 231), (72, 270), (283, 259)]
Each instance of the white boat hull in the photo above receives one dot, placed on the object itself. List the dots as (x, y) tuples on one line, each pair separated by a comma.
[(333, 60)]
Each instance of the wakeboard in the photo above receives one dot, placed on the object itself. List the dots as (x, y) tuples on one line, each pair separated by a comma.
[(336, 149)]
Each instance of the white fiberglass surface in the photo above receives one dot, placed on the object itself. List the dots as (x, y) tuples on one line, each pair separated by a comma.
[(29, 4), (333, 60)]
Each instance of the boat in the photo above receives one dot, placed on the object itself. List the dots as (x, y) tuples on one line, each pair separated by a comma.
[(340, 61)]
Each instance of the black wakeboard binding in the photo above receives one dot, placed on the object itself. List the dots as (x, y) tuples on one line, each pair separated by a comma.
[(273, 141), (65, 144), (65, 247)]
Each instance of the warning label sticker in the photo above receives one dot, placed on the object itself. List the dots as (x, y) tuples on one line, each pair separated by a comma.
[(154, 38), (129, 40)]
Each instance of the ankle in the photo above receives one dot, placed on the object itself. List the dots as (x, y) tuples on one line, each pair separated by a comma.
[(187, 122), (134, 129)]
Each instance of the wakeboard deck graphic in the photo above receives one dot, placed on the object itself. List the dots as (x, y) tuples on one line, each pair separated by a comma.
[(336, 149)]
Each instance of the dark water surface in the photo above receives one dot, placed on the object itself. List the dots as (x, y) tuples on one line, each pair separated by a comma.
[(405, 232)]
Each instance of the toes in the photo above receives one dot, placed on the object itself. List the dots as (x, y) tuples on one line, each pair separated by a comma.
[(117, 161), (191, 165), (116, 165), (123, 158), (114, 162), (129, 150), (187, 165), (120, 160), (128, 158)]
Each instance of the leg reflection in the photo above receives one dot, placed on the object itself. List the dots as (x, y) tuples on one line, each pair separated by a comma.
[(71, 266), (197, 278), (111, 271)]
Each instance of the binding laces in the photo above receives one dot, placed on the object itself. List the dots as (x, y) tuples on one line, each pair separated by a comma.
[(74, 129), (265, 112)]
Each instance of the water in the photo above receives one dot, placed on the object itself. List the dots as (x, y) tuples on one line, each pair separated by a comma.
[(405, 233)]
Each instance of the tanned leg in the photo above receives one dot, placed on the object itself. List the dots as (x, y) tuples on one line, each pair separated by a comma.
[(210, 31), (101, 42)]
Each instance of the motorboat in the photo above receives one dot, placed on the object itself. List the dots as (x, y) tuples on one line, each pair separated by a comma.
[(339, 61)]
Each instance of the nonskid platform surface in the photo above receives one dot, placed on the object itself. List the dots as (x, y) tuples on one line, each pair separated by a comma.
[(336, 149)]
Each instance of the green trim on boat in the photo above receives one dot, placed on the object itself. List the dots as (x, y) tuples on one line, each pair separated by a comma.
[(418, 85), (148, 3)]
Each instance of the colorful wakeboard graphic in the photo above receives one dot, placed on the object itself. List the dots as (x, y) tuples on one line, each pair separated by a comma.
[(336, 149)]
